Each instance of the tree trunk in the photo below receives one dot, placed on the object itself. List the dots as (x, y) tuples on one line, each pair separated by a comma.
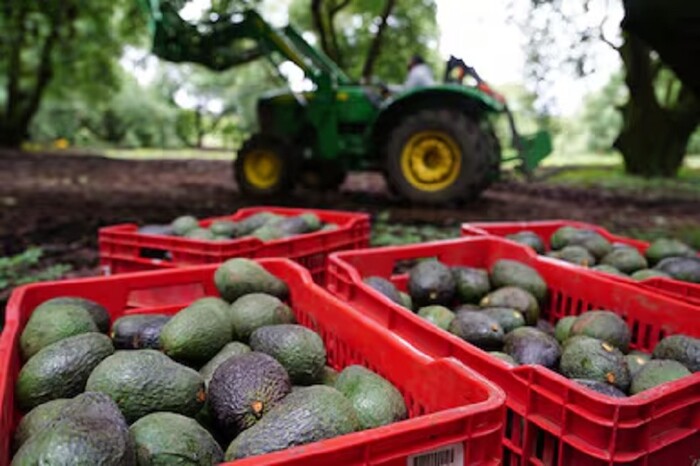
[(653, 139), (376, 46)]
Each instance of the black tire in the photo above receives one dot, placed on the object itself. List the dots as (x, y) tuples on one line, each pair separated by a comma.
[(265, 167), (451, 132)]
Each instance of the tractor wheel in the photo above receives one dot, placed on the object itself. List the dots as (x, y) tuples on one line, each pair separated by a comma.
[(437, 156), (265, 167)]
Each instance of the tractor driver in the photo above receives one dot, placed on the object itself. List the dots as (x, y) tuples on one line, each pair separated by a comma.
[(419, 73)]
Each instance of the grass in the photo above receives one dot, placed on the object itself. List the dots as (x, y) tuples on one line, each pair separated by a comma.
[(171, 154)]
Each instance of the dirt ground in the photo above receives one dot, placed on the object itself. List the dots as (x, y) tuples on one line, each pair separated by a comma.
[(59, 201)]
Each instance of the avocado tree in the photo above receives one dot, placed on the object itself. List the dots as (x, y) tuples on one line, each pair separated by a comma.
[(661, 112)]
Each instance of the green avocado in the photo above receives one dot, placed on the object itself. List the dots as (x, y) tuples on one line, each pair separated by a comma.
[(225, 228), (238, 277), (591, 359), (529, 238), (300, 350), (252, 311), (138, 331), (89, 430), (245, 388), (308, 415), (255, 221), (504, 357), (478, 329), (681, 348), (406, 300), (664, 247), (376, 401), (593, 242), (385, 287), (437, 315), (201, 234), (182, 225), (232, 349), (686, 269), (528, 345), (635, 361), (563, 328), (562, 236), (472, 284), (509, 319), (50, 323), (172, 439), (431, 282), (626, 260), (98, 312), (575, 255), (657, 372), (61, 369), (609, 269), (601, 387), (36, 419), (643, 274), (195, 334), (506, 272), (605, 326), (329, 376), (147, 381), (514, 298)]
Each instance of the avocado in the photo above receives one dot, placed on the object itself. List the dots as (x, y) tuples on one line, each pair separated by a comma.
[(89, 430), (609, 269), (252, 223), (601, 387), (635, 361), (268, 232), (605, 326), (50, 323), (514, 298), (503, 357), (218, 305), (528, 345), (657, 372), (201, 234), (431, 282), (195, 334), (97, 311), (575, 255), (437, 315), (138, 331), (329, 376), (329, 227), (173, 439), (376, 401), (478, 329), (643, 274), (545, 326), (225, 228), (385, 287), (620, 245), (592, 241), (147, 381), (506, 272), (300, 350), (665, 247), (626, 260), (529, 238), (36, 419), (232, 349), (468, 307), (182, 225), (245, 388), (157, 230), (305, 223), (588, 358), (252, 311), (238, 277), (471, 284), (562, 236), (308, 415), (406, 300), (563, 328), (686, 269), (61, 370), (509, 319), (681, 348)]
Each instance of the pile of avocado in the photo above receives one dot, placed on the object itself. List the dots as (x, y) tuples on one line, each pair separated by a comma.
[(499, 312), (668, 258), (222, 379), (265, 226)]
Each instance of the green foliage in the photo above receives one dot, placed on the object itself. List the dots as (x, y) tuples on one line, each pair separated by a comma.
[(25, 268)]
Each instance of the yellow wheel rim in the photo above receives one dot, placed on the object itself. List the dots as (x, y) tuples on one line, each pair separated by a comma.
[(431, 161), (262, 168)]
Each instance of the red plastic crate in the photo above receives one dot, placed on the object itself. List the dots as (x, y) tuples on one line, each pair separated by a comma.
[(546, 228), (123, 249), (551, 420), (449, 405)]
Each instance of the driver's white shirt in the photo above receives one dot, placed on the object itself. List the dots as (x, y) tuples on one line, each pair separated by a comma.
[(419, 76)]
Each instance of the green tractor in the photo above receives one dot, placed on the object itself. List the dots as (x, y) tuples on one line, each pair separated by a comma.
[(434, 144)]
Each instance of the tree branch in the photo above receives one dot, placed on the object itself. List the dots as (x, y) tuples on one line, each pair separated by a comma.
[(317, 17), (376, 45), (14, 68), (332, 12)]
